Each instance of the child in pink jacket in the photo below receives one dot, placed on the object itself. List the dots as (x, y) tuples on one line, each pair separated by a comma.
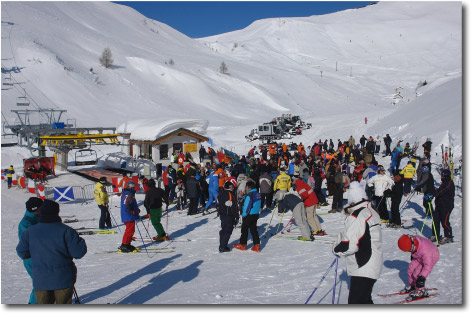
[(424, 256)]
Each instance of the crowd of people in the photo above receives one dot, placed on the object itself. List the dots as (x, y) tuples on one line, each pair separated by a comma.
[(284, 178)]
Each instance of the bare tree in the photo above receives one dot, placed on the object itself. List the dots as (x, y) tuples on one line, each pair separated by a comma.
[(223, 68), (106, 58)]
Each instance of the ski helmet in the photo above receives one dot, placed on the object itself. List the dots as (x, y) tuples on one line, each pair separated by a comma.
[(407, 243)]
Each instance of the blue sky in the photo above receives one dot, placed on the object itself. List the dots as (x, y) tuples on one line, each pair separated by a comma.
[(198, 19)]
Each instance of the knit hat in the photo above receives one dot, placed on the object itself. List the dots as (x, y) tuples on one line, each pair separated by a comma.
[(49, 212), (33, 204), (151, 183), (103, 180), (407, 243)]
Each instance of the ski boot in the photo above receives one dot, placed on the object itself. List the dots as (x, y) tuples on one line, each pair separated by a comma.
[(445, 240), (407, 289), (417, 294), (127, 249), (240, 246), (164, 237), (311, 238), (256, 248), (320, 233), (226, 249)]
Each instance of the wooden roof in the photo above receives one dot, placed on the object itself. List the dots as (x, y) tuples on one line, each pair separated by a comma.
[(178, 132)]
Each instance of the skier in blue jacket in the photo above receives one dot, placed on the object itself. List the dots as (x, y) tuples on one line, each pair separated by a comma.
[(213, 189), (30, 218), (250, 214), (52, 246), (129, 214)]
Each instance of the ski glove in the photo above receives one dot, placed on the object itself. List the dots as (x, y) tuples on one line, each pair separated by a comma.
[(420, 283)]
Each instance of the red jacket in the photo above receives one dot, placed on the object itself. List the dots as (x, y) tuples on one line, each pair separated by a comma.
[(307, 194), (165, 178)]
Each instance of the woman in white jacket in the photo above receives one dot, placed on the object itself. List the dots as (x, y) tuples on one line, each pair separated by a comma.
[(360, 244)]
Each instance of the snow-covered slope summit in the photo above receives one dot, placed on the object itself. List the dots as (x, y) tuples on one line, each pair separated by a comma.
[(348, 63)]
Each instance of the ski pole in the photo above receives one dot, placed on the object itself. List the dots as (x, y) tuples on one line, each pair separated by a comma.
[(322, 279), (281, 220), (289, 229), (289, 223), (77, 300), (404, 204), (137, 226), (269, 224), (145, 228), (335, 280), (116, 223), (433, 223), (425, 219)]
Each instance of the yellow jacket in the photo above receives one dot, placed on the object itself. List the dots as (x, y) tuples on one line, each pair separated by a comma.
[(101, 196), (408, 171), (282, 182), (10, 171)]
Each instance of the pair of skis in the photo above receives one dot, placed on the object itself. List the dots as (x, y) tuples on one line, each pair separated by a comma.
[(388, 295)]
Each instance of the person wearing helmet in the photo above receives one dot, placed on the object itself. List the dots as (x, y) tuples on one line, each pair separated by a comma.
[(444, 204), (428, 184), (424, 256), (129, 214)]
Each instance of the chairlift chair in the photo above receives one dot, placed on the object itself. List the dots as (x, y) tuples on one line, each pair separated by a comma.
[(86, 157), (22, 101)]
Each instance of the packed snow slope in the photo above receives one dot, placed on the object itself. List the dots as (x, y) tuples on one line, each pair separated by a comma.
[(324, 68)]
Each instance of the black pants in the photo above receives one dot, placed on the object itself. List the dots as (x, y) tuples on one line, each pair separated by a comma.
[(105, 218), (388, 150), (167, 191), (395, 215), (381, 206), (193, 208), (320, 195), (337, 202), (442, 215), (227, 225), (360, 290), (268, 197), (249, 222)]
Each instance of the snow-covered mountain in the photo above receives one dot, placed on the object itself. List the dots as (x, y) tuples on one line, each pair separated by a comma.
[(332, 69)]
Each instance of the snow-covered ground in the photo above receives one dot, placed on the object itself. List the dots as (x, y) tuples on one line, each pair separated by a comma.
[(274, 69), (194, 272)]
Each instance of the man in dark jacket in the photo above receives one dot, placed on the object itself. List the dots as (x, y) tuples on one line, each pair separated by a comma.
[(153, 204), (428, 185), (362, 141), (339, 183), (387, 143), (228, 214), (52, 246), (444, 204), (194, 192), (396, 197), (427, 148)]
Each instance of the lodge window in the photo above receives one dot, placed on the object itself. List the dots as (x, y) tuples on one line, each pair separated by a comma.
[(177, 147), (163, 152)]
